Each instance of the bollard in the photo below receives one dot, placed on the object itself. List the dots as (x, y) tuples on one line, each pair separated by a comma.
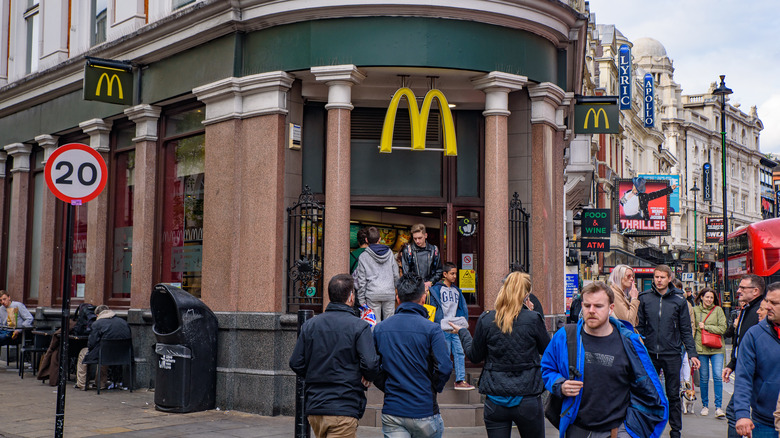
[(301, 422)]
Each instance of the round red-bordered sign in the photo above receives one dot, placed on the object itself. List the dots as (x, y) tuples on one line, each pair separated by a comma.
[(76, 173)]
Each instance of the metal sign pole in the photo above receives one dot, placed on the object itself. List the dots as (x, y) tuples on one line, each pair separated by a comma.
[(63, 369)]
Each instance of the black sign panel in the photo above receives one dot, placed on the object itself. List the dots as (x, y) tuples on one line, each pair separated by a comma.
[(595, 222), (108, 84), (713, 229), (596, 118), (706, 174), (594, 245)]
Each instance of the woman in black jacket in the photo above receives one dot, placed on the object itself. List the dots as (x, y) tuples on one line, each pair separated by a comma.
[(511, 340)]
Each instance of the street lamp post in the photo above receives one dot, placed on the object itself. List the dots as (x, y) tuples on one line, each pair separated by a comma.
[(695, 191), (722, 91)]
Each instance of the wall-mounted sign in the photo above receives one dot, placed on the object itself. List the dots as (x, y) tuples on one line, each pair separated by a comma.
[(467, 280), (108, 81), (624, 76), (674, 198), (419, 121), (596, 118), (649, 115), (642, 208), (570, 289), (467, 227), (595, 245), (713, 229), (295, 137), (706, 175), (595, 222)]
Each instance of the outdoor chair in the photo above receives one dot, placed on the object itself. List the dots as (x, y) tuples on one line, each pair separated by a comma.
[(114, 352), (36, 349)]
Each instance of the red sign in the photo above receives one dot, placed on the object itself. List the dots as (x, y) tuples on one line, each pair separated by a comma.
[(643, 207), (76, 173)]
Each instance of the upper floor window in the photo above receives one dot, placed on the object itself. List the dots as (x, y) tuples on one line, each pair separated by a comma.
[(32, 18), (100, 21), (179, 3)]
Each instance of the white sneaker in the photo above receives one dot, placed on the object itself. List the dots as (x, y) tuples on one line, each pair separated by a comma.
[(719, 413), (705, 412)]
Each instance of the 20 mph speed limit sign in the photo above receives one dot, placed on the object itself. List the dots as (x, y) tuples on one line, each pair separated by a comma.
[(76, 173)]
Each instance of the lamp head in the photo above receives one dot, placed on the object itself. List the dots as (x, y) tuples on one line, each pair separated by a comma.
[(722, 89), (664, 247)]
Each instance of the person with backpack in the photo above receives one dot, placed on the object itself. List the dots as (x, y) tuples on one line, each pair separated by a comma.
[(421, 258), (510, 340), (106, 326), (609, 359)]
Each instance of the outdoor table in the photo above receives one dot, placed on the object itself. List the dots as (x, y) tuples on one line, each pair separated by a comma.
[(22, 341)]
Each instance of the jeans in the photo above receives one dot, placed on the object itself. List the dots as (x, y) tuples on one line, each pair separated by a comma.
[(704, 372), (458, 358), (764, 431), (403, 427), (6, 337), (575, 432), (528, 416), (671, 364)]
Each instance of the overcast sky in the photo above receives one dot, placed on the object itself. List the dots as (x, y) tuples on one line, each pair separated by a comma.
[(706, 39)]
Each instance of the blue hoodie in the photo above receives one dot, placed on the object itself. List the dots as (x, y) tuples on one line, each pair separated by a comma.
[(415, 362), (648, 409)]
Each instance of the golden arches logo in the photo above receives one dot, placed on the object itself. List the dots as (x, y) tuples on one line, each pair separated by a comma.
[(419, 121), (110, 84), (596, 115)]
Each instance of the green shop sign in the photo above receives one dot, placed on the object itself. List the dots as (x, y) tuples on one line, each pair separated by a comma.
[(600, 116), (108, 81)]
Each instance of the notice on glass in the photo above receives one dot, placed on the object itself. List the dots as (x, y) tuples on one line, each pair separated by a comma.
[(467, 280)]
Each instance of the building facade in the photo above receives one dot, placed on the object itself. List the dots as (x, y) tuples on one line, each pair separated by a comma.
[(250, 151)]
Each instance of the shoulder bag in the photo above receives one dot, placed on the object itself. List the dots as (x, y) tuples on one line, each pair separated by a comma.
[(708, 339)]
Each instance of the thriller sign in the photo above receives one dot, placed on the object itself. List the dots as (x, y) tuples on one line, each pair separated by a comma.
[(643, 207)]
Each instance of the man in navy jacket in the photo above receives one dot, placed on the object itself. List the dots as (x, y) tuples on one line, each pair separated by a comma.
[(758, 374), (335, 353), (415, 365)]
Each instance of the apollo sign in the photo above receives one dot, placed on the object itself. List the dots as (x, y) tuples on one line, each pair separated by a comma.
[(649, 115)]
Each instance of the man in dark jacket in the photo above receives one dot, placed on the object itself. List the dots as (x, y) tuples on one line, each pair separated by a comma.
[(421, 258), (750, 293), (415, 365), (758, 375), (107, 326), (335, 354), (664, 322)]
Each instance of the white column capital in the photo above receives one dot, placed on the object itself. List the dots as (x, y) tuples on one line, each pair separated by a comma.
[(98, 131), (48, 143), (3, 158), (339, 79), (248, 96), (497, 85), (21, 155), (146, 118), (560, 113), (545, 100)]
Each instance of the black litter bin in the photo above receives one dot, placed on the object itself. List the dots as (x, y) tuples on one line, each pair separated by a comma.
[(186, 349)]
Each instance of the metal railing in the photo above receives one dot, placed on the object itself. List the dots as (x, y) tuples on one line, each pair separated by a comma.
[(519, 233), (306, 228)]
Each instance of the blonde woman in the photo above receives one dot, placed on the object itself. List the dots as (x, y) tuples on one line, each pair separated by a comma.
[(623, 284), (510, 340)]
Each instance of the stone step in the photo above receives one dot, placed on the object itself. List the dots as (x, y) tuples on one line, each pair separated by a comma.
[(453, 415)]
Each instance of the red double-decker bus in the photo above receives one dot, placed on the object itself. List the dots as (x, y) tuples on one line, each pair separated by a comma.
[(754, 249)]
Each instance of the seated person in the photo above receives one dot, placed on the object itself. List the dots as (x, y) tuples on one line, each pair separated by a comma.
[(12, 314), (106, 326)]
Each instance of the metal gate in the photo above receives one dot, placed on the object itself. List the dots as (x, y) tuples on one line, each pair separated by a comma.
[(305, 231), (519, 232)]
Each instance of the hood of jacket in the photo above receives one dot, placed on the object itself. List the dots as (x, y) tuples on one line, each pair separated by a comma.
[(379, 252), (106, 314)]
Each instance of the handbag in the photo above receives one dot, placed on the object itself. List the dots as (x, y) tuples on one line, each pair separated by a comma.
[(708, 339), (431, 309)]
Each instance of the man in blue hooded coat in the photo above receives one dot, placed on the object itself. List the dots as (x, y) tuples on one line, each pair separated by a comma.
[(614, 390)]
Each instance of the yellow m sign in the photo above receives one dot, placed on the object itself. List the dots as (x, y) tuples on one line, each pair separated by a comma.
[(596, 115), (110, 83), (419, 121)]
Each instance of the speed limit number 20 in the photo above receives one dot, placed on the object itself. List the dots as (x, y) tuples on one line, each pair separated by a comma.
[(75, 173)]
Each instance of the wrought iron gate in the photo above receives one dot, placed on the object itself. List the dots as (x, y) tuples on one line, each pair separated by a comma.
[(519, 232), (305, 231)]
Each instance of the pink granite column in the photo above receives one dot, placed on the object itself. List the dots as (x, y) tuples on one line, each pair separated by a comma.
[(97, 219), (547, 197), (339, 79), (146, 118), (18, 220), (495, 223), (48, 283), (243, 226)]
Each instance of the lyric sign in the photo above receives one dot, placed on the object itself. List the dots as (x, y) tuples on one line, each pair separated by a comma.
[(624, 76)]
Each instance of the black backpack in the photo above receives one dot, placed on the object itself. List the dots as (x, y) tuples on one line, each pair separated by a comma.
[(84, 316)]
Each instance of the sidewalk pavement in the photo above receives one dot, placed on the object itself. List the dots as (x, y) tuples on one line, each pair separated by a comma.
[(30, 406)]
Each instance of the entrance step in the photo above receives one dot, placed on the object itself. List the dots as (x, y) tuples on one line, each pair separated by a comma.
[(454, 415)]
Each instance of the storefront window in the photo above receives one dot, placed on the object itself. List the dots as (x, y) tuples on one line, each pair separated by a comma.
[(79, 251), (182, 238), (38, 191), (9, 187), (124, 184)]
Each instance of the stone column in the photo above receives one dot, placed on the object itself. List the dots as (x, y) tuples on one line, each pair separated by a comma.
[(17, 224), (97, 218), (3, 200), (339, 79), (243, 230), (48, 282), (146, 118), (547, 197)]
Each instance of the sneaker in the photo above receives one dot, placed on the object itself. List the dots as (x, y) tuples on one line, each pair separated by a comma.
[(705, 412), (719, 413), (463, 386)]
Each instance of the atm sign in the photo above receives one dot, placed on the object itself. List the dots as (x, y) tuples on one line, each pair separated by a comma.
[(595, 245)]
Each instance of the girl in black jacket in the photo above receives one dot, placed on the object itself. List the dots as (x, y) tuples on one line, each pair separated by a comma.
[(511, 340)]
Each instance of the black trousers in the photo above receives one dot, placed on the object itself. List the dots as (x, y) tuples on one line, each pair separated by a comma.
[(671, 364), (528, 416)]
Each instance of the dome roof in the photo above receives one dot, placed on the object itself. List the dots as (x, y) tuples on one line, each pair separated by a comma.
[(648, 47)]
